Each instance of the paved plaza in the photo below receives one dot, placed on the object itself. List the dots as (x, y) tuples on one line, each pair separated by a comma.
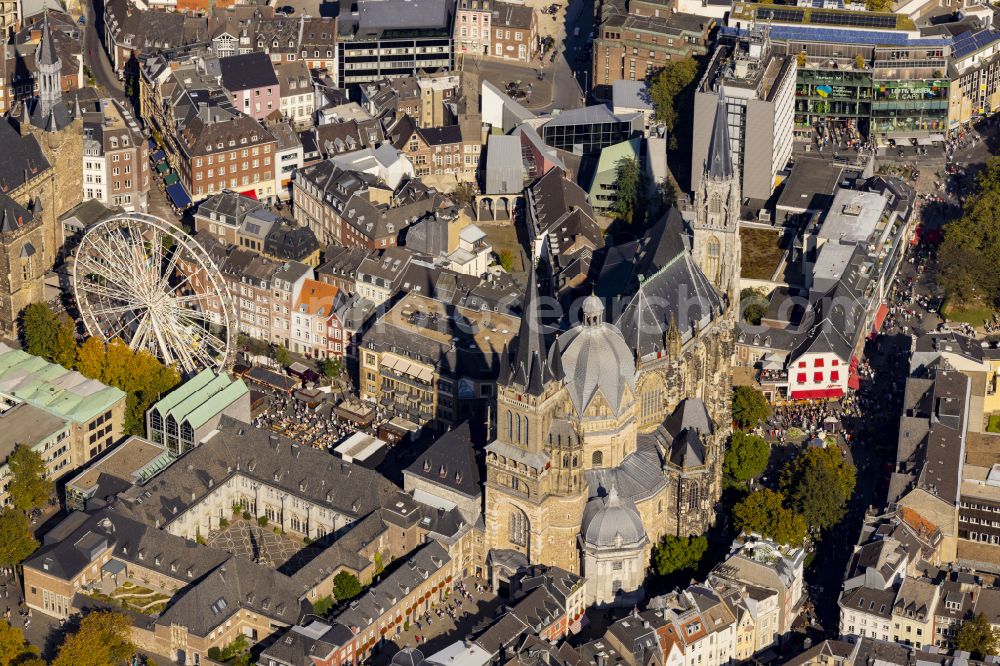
[(259, 544)]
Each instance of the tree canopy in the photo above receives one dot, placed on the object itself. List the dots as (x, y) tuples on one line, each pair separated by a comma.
[(977, 636), (764, 512), (140, 374), (746, 457), (672, 93), (346, 586), (281, 355), (970, 251), (29, 487), (818, 483), (675, 553), (47, 334), (16, 539), (628, 185), (749, 406), (103, 638), (13, 648)]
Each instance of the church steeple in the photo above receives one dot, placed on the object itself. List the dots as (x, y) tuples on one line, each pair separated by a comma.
[(49, 72), (530, 366), (720, 156), (716, 225)]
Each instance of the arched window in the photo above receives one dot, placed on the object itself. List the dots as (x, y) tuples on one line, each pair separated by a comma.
[(651, 401), (518, 429), (694, 497), (597, 459), (510, 425), (659, 506), (525, 440), (715, 204), (518, 527), (712, 252)]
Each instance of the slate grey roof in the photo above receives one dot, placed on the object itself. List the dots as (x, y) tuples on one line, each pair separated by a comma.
[(531, 366), (638, 477), (869, 600), (595, 359), (662, 285), (13, 216), (276, 460), (450, 462), (382, 596), (611, 522), (23, 158), (298, 645), (228, 207), (720, 155), (504, 165), (131, 541), (235, 584)]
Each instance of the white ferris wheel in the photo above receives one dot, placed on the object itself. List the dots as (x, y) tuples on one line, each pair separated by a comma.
[(140, 279)]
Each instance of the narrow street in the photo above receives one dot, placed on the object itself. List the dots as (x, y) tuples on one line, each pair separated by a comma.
[(95, 57)]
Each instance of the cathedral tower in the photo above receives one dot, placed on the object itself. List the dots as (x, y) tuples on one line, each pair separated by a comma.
[(716, 225), (49, 73), (535, 487), (59, 131)]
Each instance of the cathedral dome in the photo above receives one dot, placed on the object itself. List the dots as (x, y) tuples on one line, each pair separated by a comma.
[(595, 357), (611, 522)]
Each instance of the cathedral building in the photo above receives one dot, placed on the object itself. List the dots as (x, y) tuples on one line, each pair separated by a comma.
[(58, 129), (611, 435)]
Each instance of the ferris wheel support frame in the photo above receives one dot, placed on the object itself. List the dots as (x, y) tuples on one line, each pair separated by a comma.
[(160, 323)]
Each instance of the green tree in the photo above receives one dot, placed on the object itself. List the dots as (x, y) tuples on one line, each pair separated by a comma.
[(818, 483), (746, 457), (628, 186), (878, 5), (16, 539), (29, 487), (331, 367), (970, 251), (38, 330), (13, 648), (64, 351), (749, 406), (323, 605), (281, 355), (104, 638), (753, 313), (506, 259), (977, 636), (346, 586), (764, 512), (672, 93), (674, 553)]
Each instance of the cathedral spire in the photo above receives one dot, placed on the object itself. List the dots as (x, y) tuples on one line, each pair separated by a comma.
[(49, 72), (530, 365), (720, 158)]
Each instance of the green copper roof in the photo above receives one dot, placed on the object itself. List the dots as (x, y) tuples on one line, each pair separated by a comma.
[(201, 397), (49, 386)]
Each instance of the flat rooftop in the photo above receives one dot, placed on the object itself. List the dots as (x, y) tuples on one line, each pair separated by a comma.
[(853, 216), (28, 425), (981, 482), (810, 186), (121, 462), (378, 15), (447, 324)]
